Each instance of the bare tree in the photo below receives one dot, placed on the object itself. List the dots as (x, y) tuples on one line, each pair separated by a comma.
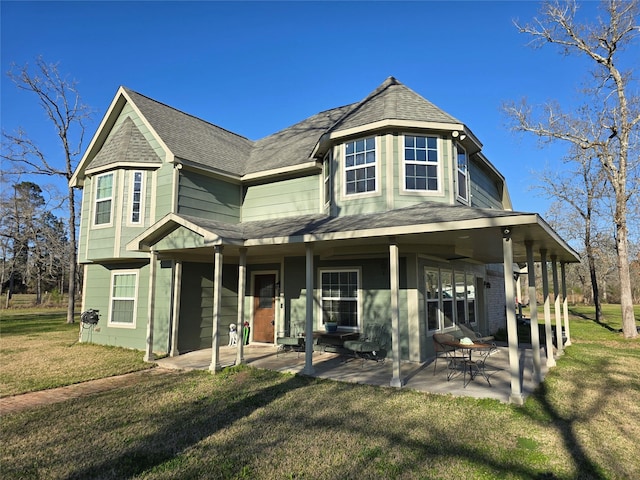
[(60, 100), (581, 187), (606, 126)]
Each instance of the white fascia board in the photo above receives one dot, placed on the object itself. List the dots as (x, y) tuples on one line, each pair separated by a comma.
[(113, 166), (401, 230), (98, 139), (302, 167), (203, 169), (393, 123), (136, 244)]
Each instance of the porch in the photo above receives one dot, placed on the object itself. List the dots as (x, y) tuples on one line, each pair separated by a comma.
[(416, 376)]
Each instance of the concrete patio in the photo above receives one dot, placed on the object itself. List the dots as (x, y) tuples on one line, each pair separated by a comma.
[(415, 376)]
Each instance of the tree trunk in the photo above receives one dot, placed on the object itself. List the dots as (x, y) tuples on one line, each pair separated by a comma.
[(72, 258), (629, 329)]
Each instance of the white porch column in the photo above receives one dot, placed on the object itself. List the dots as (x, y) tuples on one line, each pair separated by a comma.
[(153, 259), (217, 297), (533, 306), (394, 277), (551, 361), (512, 326), (175, 310), (556, 305), (565, 304), (242, 280), (308, 328)]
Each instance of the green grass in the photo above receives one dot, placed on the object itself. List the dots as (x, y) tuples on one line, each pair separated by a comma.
[(248, 423), (39, 350)]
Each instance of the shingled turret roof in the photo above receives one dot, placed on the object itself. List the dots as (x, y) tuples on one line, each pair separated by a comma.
[(200, 143)]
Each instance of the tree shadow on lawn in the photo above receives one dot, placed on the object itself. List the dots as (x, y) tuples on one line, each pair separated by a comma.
[(584, 316), (195, 420), (567, 424)]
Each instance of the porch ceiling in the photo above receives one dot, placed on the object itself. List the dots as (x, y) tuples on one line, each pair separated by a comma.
[(443, 231)]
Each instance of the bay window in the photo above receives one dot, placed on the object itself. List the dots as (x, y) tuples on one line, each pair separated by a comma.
[(421, 163), (103, 199), (360, 161)]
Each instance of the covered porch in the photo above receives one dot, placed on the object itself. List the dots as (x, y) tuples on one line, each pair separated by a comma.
[(415, 376), (440, 233)]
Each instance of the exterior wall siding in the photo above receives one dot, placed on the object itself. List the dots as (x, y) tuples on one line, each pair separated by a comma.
[(196, 302), (297, 196), (485, 193), (164, 192), (208, 197)]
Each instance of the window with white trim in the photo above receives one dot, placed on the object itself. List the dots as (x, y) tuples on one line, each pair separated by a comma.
[(103, 199), (123, 294), (450, 298), (360, 163), (421, 163), (137, 186), (326, 168), (339, 297), (463, 173)]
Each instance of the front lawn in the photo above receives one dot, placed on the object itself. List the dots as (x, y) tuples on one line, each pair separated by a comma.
[(248, 423)]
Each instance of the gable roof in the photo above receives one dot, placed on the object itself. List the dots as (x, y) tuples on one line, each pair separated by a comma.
[(192, 139), (198, 143)]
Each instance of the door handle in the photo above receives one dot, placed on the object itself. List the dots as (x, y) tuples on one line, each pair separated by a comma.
[(273, 322)]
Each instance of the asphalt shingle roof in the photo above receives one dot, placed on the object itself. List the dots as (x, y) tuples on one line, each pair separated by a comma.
[(200, 142), (421, 214), (193, 139), (128, 145)]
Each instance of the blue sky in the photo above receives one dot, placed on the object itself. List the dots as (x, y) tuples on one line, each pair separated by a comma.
[(257, 67)]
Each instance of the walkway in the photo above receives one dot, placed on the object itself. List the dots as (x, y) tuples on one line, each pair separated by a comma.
[(18, 403)]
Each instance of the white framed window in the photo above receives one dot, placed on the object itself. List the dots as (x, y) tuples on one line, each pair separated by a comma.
[(103, 199), (450, 298), (326, 172), (123, 298), (360, 166), (340, 297), (137, 197), (432, 298), (463, 173), (421, 158)]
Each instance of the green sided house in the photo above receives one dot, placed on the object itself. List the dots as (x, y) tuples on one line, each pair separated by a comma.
[(383, 212)]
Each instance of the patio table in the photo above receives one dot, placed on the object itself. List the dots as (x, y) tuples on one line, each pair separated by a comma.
[(479, 365)]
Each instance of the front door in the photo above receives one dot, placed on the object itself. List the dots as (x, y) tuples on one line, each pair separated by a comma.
[(264, 311)]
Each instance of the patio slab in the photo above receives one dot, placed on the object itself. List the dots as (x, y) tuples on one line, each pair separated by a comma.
[(416, 376)]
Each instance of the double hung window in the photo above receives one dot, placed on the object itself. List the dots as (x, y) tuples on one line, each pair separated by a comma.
[(360, 162), (103, 199), (340, 289), (421, 163), (123, 298)]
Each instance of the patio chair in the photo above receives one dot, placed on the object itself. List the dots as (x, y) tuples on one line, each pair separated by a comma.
[(474, 335), (442, 349), (293, 343), (371, 345)]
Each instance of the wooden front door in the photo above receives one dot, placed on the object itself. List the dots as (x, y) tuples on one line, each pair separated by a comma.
[(264, 310)]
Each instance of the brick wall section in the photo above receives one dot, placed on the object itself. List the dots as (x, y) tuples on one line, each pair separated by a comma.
[(496, 309)]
